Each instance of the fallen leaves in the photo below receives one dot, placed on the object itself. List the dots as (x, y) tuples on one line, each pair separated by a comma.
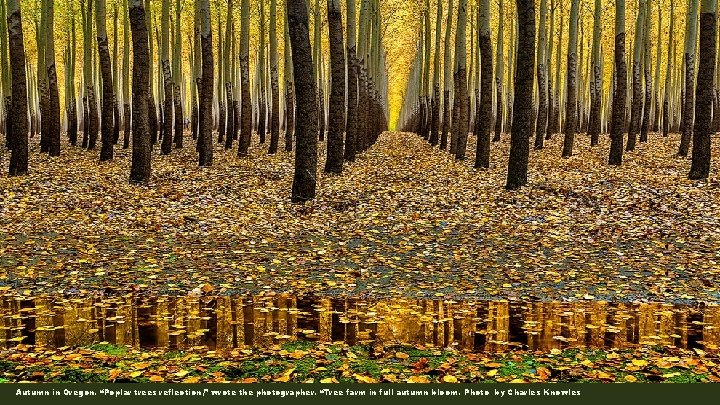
[(330, 363), (402, 220)]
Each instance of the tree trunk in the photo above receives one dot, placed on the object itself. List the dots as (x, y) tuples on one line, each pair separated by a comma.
[(18, 135), (108, 97), (645, 125), (571, 101), (689, 104), (461, 90), (541, 126), (447, 79), (334, 160), (53, 108), (668, 75), (244, 59), (499, 74), (167, 122), (206, 91), (177, 80), (141, 148), (227, 116), (435, 113), (483, 121), (637, 100), (274, 85), (522, 124), (620, 94), (352, 76), (304, 180), (700, 168), (595, 124), (289, 90)]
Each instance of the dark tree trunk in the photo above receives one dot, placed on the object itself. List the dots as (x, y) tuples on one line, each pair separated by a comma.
[(245, 107), (304, 180), (230, 119), (700, 168), (128, 121), (72, 123), (334, 160), (484, 118), (445, 120), (290, 116), (153, 119), (108, 100), (352, 96), (53, 137), (551, 108), (688, 106), (619, 100), (167, 110), (179, 118), (498, 110), (594, 126), (206, 90), (223, 121), (522, 124), (645, 126), (637, 108), (17, 115), (141, 148), (541, 126)]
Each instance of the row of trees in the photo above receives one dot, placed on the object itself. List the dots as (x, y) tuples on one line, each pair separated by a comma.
[(211, 85), (527, 99)]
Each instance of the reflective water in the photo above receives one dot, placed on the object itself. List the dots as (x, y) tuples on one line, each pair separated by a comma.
[(222, 323)]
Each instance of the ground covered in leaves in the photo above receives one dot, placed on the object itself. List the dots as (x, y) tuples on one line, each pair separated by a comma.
[(403, 220), (312, 362)]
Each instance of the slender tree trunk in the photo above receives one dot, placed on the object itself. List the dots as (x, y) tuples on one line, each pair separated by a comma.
[(108, 97), (688, 114), (141, 147), (126, 76), (227, 123), (522, 124), (290, 91), (274, 85), (668, 75), (483, 121), (461, 90), (334, 160), (435, 114), (244, 59), (53, 137), (447, 79), (571, 102), (620, 95), (637, 98), (167, 122), (499, 74), (551, 90), (18, 134), (352, 75), (206, 91), (645, 125), (304, 180), (595, 124), (541, 126), (700, 168), (177, 80), (117, 115)]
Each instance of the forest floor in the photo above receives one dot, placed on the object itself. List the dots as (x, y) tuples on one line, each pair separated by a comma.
[(336, 362), (403, 220)]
